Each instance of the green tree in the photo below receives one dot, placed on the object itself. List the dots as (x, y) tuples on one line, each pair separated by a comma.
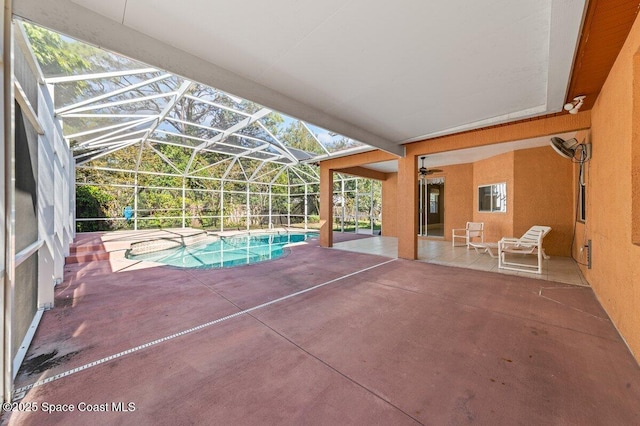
[(297, 136), (93, 202), (159, 184), (53, 53)]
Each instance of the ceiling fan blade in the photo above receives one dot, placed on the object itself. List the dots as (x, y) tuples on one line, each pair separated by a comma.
[(425, 171), (429, 172)]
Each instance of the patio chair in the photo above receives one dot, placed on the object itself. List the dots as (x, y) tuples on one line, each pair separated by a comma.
[(472, 230), (529, 244)]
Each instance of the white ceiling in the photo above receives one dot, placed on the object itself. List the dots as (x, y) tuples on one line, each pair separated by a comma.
[(381, 72)]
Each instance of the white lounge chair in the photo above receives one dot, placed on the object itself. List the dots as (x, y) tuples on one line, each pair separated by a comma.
[(472, 230), (529, 244), (491, 248)]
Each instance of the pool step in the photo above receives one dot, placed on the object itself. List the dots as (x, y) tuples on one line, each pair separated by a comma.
[(87, 256), (84, 248), (87, 251)]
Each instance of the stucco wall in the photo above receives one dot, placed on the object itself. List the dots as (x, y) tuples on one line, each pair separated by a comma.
[(458, 190), (579, 253), (615, 275), (543, 194), (390, 205), (539, 192), (492, 170)]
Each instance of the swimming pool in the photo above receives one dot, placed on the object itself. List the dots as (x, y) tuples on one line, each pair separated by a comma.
[(225, 252)]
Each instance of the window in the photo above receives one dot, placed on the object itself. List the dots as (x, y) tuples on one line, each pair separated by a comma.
[(492, 198), (433, 200)]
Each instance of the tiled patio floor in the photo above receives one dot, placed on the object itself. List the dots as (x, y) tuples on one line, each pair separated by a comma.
[(558, 269)]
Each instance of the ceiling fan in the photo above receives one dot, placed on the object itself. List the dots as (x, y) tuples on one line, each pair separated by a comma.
[(426, 172)]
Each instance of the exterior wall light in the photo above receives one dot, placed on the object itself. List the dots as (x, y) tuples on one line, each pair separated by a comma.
[(574, 106)]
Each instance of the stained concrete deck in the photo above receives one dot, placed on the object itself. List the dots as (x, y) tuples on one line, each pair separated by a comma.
[(374, 341)]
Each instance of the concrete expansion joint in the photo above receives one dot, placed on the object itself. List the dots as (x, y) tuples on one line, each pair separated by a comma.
[(22, 390), (569, 306)]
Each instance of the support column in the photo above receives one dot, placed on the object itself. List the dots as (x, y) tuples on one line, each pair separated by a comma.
[(390, 205), (135, 202), (184, 218), (344, 208), (270, 204), (326, 206), (408, 208), (248, 207), (371, 224), (221, 205), (306, 207), (355, 229), (135, 184)]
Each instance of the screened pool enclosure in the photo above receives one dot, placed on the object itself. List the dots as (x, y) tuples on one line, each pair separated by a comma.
[(153, 149)]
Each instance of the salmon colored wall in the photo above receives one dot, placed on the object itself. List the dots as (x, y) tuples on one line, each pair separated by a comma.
[(458, 193), (540, 190), (580, 255), (635, 154), (408, 207), (492, 170), (544, 195), (326, 206), (349, 164), (458, 196), (407, 166), (390, 205), (615, 274)]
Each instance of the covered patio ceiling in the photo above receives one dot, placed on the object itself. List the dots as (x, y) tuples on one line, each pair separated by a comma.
[(381, 73)]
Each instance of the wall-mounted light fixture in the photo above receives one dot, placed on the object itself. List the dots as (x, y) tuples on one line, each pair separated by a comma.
[(574, 106)]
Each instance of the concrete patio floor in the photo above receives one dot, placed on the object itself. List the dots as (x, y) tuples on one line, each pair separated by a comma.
[(322, 336)]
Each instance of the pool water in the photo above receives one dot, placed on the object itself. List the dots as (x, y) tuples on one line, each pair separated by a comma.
[(226, 251)]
